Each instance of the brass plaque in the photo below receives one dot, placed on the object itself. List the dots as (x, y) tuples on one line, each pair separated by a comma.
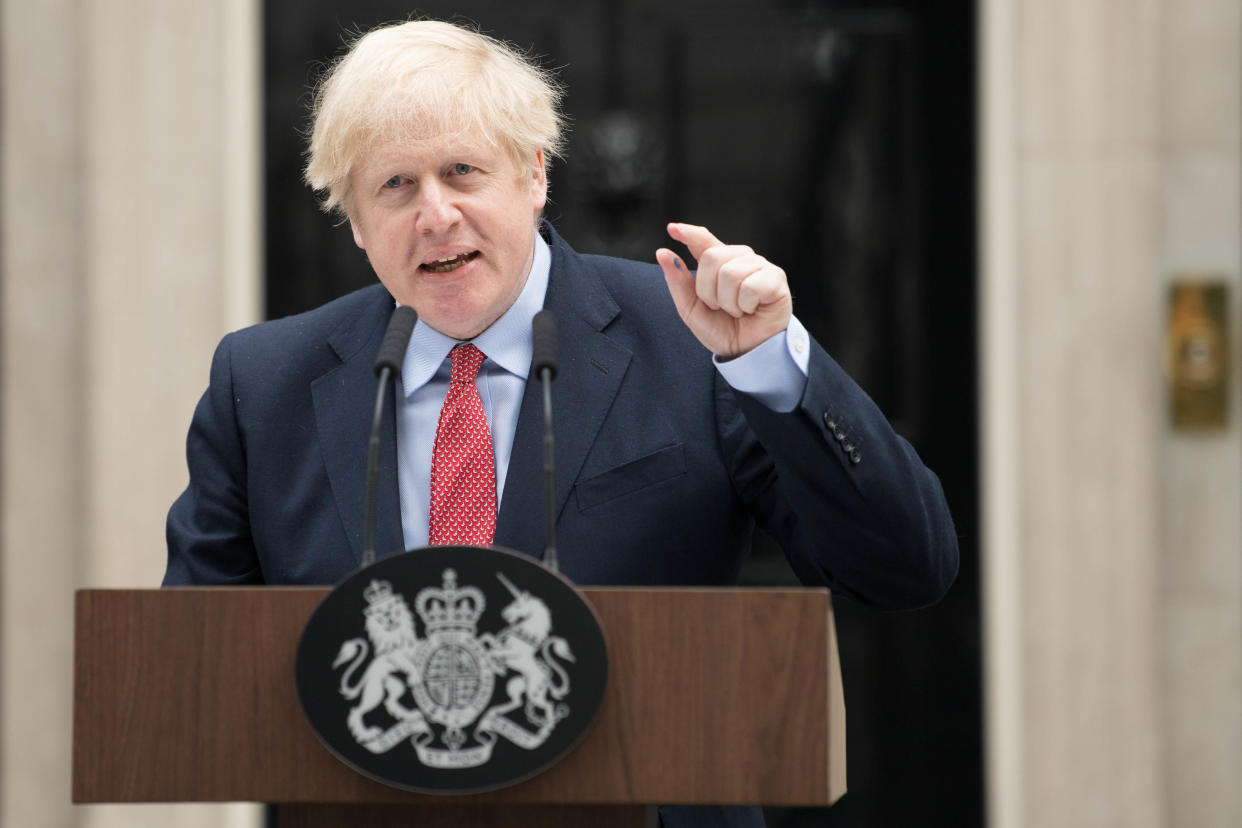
[(1198, 353)]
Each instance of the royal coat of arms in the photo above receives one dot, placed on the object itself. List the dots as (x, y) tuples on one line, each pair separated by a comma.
[(452, 691)]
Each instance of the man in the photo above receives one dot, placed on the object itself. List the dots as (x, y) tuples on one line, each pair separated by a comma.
[(689, 407)]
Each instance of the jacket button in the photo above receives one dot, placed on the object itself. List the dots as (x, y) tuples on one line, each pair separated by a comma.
[(849, 448), (856, 458), (829, 422)]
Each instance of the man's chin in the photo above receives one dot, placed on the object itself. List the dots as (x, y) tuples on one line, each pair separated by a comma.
[(457, 326)]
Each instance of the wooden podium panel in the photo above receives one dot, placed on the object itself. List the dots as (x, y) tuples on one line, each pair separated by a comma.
[(456, 815), (721, 696)]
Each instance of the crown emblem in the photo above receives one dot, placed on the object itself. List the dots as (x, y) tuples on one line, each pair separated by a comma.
[(379, 597), (449, 608)]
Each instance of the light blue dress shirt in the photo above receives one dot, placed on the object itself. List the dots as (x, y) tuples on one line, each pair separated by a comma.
[(774, 373)]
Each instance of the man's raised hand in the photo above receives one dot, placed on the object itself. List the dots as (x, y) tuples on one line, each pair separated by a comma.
[(737, 299)]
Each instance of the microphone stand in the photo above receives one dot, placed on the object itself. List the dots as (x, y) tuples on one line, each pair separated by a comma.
[(387, 365), (543, 336)]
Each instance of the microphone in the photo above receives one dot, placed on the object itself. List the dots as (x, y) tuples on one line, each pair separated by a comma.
[(387, 364), (543, 361)]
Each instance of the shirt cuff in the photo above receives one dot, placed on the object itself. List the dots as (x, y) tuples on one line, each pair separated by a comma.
[(774, 372)]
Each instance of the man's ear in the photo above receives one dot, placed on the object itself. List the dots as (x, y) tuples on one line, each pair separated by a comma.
[(353, 226), (539, 181)]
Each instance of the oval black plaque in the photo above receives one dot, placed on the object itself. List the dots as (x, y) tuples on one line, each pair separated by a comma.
[(452, 669)]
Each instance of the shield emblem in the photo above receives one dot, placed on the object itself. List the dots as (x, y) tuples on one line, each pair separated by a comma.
[(452, 669)]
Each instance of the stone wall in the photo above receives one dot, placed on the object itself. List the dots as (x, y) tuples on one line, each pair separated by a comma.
[(1113, 550), (130, 245)]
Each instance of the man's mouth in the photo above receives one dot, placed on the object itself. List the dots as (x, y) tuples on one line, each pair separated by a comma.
[(445, 265)]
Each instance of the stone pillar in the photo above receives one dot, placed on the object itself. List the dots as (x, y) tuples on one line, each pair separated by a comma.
[(1201, 501), (1113, 585), (131, 244), (42, 326)]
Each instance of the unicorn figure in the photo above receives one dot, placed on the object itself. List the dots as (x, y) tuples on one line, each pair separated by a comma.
[(526, 647)]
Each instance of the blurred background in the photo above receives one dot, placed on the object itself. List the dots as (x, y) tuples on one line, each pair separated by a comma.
[(1014, 222)]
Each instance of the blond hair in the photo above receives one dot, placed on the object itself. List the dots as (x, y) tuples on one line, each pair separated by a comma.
[(423, 78)]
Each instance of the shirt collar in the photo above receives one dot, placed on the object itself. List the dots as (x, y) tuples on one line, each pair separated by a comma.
[(506, 341)]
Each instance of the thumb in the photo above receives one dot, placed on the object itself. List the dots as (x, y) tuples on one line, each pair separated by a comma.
[(679, 279)]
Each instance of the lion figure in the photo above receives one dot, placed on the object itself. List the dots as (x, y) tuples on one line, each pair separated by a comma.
[(390, 628)]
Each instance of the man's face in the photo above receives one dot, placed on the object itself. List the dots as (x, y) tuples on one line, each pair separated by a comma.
[(449, 226)]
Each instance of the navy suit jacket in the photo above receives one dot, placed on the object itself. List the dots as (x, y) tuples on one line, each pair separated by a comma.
[(662, 469)]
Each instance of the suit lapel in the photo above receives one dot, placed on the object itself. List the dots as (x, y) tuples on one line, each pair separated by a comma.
[(591, 367), (343, 399)]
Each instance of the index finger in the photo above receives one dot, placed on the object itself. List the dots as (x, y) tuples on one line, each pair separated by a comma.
[(698, 239)]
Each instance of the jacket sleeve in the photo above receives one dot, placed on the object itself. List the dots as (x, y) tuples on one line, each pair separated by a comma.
[(208, 528), (848, 499)]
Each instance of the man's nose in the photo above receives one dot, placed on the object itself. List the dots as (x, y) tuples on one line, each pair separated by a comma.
[(436, 208)]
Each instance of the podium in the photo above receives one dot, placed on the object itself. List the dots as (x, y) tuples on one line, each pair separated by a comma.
[(715, 696)]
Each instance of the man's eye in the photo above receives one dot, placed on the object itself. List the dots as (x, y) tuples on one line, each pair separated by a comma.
[(394, 182), (462, 169)]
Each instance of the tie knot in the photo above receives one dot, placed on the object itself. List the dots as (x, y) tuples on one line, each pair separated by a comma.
[(466, 361)]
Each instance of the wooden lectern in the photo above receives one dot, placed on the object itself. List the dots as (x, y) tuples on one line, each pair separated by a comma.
[(715, 696)]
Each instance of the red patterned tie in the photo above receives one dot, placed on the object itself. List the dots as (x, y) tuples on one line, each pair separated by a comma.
[(463, 470)]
